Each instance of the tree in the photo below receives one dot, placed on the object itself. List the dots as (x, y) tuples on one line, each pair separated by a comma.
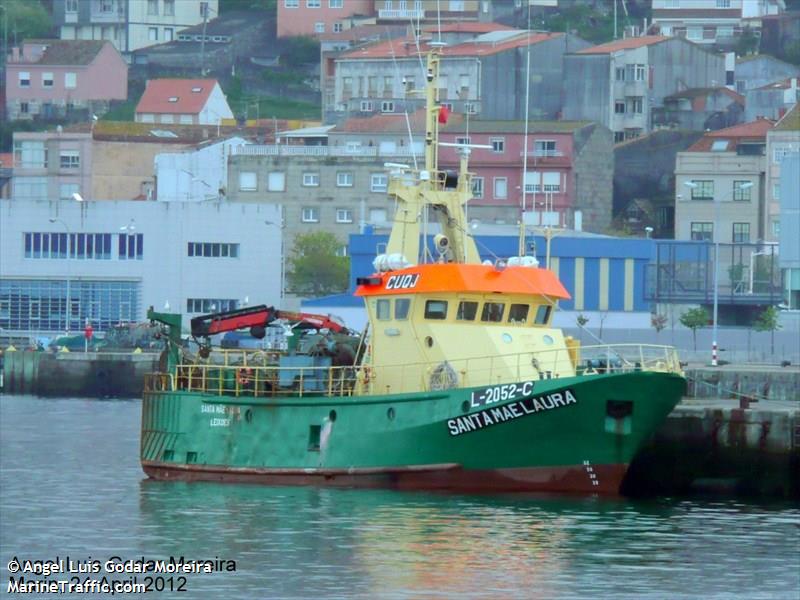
[(26, 19), (768, 321), (694, 318), (314, 267), (658, 322)]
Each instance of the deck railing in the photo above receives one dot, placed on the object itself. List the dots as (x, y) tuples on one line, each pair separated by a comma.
[(251, 373)]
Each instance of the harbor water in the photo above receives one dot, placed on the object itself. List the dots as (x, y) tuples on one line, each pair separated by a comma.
[(71, 486)]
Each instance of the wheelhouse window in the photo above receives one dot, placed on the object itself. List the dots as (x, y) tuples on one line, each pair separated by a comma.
[(543, 314), (492, 312), (383, 310), (436, 309), (466, 311), (518, 313), (401, 307)]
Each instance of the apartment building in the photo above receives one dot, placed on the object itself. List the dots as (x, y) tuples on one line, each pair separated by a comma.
[(483, 75), (773, 100), (756, 71), (129, 24), (782, 141), (720, 184), (711, 21), (318, 17), (56, 78), (618, 84)]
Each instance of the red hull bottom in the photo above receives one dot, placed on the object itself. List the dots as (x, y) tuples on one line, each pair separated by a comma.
[(597, 479)]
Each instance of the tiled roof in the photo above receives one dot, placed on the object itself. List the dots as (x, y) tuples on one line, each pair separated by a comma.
[(405, 48), (363, 32), (391, 123), (790, 121), (468, 27), (783, 84), (190, 96), (697, 13), (68, 52), (700, 92), (752, 131), (626, 44), (163, 133)]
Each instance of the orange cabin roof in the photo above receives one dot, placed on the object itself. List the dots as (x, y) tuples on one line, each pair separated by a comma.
[(453, 278)]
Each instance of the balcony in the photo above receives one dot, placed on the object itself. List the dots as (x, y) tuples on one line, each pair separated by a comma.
[(401, 14), (322, 151)]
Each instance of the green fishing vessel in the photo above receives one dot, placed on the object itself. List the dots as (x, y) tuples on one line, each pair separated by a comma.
[(460, 382)]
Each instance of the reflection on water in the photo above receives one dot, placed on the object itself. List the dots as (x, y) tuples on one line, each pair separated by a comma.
[(71, 484)]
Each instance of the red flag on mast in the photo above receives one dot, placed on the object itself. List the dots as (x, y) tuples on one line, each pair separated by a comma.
[(443, 114)]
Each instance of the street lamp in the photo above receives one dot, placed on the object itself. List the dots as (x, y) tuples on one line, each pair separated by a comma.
[(744, 186), (69, 273)]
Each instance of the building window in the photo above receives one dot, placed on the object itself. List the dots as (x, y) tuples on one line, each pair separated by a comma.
[(169, 34), (702, 232), (725, 31), (344, 215), (47, 80), (619, 107), (70, 81), (71, 6), (338, 27), (378, 182), (619, 136), (703, 190), (776, 191), (30, 154), (532, 182), (776, 229), (641, 72), (313, 3), (551, 181), (311, 179), (739, 193), (169, 8), (291, 3), (779, 153), (544, 148), (672, 3), (319, 27), (211, 305), (66, 190), (723, 3), (276, 181), (387, 106), (498, 145), (500, 187), (471, 108), (463, 140), (477, 187), (152, 34), (152, 7), (310, 215), (619, 73), (635, 104), (377, 215), (212, 250), (344, 179), (69, 159), (694, 33), (129, 246), (741, 233), (247, 181), (388, 86), (335, 3), (24, 79), (83, 246), (30, 188)]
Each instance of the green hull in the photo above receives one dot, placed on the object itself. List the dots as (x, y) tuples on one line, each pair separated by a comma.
[(570, 434)]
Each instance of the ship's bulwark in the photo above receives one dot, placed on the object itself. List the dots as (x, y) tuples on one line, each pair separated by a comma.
[(573, 435)]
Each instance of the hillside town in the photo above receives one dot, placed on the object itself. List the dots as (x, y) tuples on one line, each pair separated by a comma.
[(189, 153)]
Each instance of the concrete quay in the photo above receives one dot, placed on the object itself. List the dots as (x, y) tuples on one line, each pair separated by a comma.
[(744, 381), (725, 446)]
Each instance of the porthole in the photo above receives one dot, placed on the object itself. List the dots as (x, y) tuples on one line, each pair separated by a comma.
[(507, 338), (429, 342), (248, 415), (390, 414), (465, 406), (332, 416), (548, 340)]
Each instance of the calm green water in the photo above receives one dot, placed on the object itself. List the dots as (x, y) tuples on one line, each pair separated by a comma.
[(71, 485)]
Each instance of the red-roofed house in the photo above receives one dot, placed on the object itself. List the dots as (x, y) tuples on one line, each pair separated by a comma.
[(183, 101), (51, 78), (619, 83), (483, 75), (713, 199)]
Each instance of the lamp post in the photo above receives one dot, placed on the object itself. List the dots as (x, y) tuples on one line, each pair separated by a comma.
[(69, 273), (714, 233)]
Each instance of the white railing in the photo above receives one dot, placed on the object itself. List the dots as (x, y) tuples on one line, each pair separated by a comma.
[(410, 13)]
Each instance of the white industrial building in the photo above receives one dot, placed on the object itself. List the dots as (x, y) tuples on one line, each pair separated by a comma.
[(108, 261)]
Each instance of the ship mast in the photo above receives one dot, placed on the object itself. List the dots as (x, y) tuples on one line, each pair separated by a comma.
[(417, 192)]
